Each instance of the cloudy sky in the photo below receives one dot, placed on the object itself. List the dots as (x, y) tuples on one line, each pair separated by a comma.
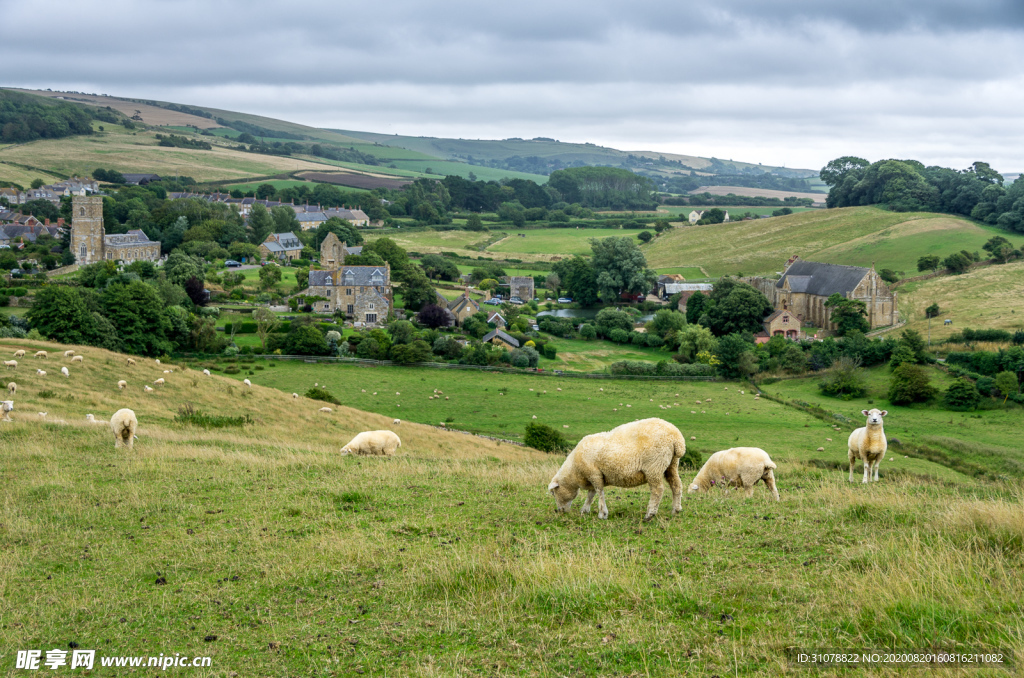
[(793, 82)]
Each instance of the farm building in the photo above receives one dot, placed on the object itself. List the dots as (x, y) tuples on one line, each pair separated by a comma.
[(521, 286), (499, 338)]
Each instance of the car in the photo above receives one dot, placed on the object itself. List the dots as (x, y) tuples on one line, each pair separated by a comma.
[(231, 263), (564, 300), (515, 300), (493, 302), (535, 327)]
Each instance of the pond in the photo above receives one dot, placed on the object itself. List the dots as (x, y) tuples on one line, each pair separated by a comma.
[(583, 313)]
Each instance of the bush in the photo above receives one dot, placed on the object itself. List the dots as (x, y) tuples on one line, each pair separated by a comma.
[(550, 352), (188, 414), (17, 291), (5, 300), (320, 393), (545, 438), (844, 380), (962, 395), (910, 384), (692, 459)]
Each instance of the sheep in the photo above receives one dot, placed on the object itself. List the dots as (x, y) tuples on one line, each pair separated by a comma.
[(41, 373), (11, 364), (159, 382), (129, 362), (12, 388), (42, 415), (122, 385), (148, 389), (69, 353), (868, 444), (373, 442), (40, 354), (77, 359), (740, 467), (247, 383), (93, 420), (206, 372), (7, 406), (325, 410), (124, 424), (157, 361), (167, 371), (295, 395), (65, 372), (396, 422), (20, 353), (627, 456)]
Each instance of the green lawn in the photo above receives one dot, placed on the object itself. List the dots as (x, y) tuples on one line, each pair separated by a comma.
[(442, 168), (563, 242), (287, 283)]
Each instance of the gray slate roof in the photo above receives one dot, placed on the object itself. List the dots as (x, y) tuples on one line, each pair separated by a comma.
[(356, 276), (824, 280), (501, 335)]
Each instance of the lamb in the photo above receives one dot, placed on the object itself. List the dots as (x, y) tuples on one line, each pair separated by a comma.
[(129, 362), (123, 424), (93, 420), (68, 353), (122, 385), (397, 422), (65, 372), (41, 354), (11, 364), (325, 410), (373, 442), (868, 444), (206, 372), (247, 383), (12, 388), (6, 406), (41, 373), (157, 361), (629, 455), (740, 467), (159, 382), (148, 389), (77, 359), (20, 353), (295, 395)]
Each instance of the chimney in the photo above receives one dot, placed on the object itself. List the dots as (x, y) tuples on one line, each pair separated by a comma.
[(47, 222), (60, 222)]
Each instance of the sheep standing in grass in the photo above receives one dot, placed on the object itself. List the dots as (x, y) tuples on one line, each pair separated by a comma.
[(20, 353), (247, 383), (12, 388), (122, 385), (11, 364), (129, 362), (69, 353), (740, 467), (41, 373), (206, 372), (41, 354), (65, 372), (123, 424), (77, 358), (93, 420), (868, 444), (7, 406), (294, 396), (373, 442), (645, 451)]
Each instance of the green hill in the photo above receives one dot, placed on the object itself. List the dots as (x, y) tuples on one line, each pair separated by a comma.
[(857, 236)]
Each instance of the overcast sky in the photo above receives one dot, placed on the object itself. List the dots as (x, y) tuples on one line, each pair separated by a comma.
[(793, 82)]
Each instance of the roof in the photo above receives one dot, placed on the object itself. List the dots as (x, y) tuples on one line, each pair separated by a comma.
[(773, 316), (354, 250), (512, 341), (138, 178), (310, 216), (812, 277), (520, 280), (497, 315), (283, 242), (675, 288), (363, 275), (461, 302)]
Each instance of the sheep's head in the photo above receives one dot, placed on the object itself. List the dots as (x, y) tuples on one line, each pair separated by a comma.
[(874, 416), (563, 494), (694, 487)]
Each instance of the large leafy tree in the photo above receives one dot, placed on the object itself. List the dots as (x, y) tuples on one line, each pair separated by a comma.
[(60, 314), (736, 307), (261, 224), (417, 291), (390, 252), (848, 314), (620, 267), (138, 314), (180, 267)]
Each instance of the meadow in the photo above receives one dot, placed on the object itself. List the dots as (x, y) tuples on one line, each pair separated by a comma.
[(561, 242), (856, 236), (683, 211), (260, 546), (441, 168)]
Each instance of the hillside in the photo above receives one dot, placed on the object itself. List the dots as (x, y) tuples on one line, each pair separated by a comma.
[(856, 236), (261, 547)]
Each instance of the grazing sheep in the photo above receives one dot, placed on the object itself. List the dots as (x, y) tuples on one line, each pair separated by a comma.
[(41, 373), (868, 444), (157, 361), (11, 364), (159, 382), (295, 395), (247, 383), (122, 385), (7, 406), (42, 415), (69, 353), (12, 388), (206, 372), (373, 442), (148, 389), (77, 359), (397, 422), (65, 372), (167, 371), (740, 467), (40, 354), (124, 424), (325, 410), (129, 362), (20, 353), (645, 451), (93, 420)]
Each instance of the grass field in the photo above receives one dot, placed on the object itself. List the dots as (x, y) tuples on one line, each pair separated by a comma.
[(441, 168), (561, 242), (677, 210), (988, 297), (758, 192), (859, 236), (261, 547), (688, 272)]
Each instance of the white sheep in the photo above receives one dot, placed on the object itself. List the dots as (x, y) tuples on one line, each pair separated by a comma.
[(69, 353), (42, 415), (93, 420), (397, 422), (129, 362), (740, 467), (41, 354), (295, 395), (206, 372), (167, 371), (157, 361), (868, 444), (247, 383), (124, 424), (12, 388), (148, 389), (20, 353), (325, 410), (11, 364), (629, 455), (122, 385), (65, 372), (159, 382), (41, 373), (7, 406), (77, 359), (373, 442)]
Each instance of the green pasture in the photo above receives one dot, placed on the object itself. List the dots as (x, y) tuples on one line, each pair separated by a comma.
[(442, 168), (733, 210), (688, 272), (563, 242)]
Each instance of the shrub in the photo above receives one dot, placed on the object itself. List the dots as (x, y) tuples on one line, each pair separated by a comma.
[(188, 414), (692, 459), (962, 394), (320, 393), (588, 332), (545, 438), (910, 384), (550, 352), (844, 380)]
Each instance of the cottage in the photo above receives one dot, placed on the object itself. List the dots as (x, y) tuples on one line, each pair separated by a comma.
[(780, 324), (463, 307), (140, 179), (499, 338), (521, 287), (363, 293), (497, 320), (695, 216), (281, 246)]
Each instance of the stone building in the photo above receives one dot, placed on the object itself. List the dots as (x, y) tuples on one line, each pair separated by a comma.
[(459, 308), (781, 324), (281, 246), (805, 286), (90, 244), (521, 286), (363, 292), (333, 251), (500, 338)]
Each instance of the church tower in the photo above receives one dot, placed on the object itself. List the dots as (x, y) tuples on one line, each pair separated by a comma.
[(87, 229)]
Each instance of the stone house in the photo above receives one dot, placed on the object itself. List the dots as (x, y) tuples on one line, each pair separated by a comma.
[(333, 251), (13, 196), (780, 323), (463, 307), (805, 286), (363, 292), (281, 246), (521, 286), (5, 240), (695, 216), (498, 320), (499, 338)]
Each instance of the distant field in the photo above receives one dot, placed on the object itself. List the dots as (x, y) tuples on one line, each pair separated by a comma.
[(989, 297), (20, 175), (151, 115), (441, 168), (434, 241), (688, 272), (562, 242), (355, 180), (757, 192), (276, 183), (683, 211), (859, 236)]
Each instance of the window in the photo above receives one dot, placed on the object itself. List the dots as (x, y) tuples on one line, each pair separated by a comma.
[(371, 317), (370, 305), (351, 309), (82, 253), (349, 291)]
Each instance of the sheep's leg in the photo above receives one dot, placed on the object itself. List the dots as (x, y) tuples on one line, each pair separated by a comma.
[(657, 488), (590, 499), (867, 470), (672, 475), (769, 480), (852, 460), (878, 462)]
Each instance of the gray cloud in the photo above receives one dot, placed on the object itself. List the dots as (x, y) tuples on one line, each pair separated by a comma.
[(795, 81)]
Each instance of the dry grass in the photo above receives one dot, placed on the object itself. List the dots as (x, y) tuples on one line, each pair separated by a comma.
[(757, 192), (151, 115)]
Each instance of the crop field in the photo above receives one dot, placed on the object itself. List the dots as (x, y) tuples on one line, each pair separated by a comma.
[(260, 546), (441, 168), (276, 183), (859, 236), (434, 241), (988, 297), (355, 180), (758, 192)]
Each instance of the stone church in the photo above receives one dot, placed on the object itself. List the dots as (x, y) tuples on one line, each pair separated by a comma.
[(805, 286), (90, 244), (363, 292)]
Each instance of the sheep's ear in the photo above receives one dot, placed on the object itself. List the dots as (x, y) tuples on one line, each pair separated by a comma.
[(864, 412), (553, 486), (885, 412)]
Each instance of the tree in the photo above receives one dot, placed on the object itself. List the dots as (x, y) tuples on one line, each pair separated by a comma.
[(1007, 384), (284, 219), (836, 170), (417, 291), (962, 394), (266, 322), (402, 332), (270, 275), (732, 350), (474, 223), (553, 283), (261, 224), (305, 339), (390, 252), (179, 267), (60, 314), (620, 267), (958, 262), (138, 315), (741, 308), (578, 279), (436, 266), (713, 216), (844, 380), (645, 236), (932, 311), (929, 262), (666, 320), (888, 275), (244, 250), (848, 314), (695, 306), (545, 438), (433, 316), (588, 331), (694, 339), (415, 352), (196, 291), (37, 183), (910, 384), (1000, 248), (609, 319)]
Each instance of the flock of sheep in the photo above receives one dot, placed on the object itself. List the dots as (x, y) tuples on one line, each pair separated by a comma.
[(642, 451)]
